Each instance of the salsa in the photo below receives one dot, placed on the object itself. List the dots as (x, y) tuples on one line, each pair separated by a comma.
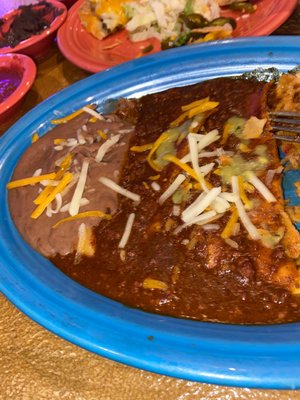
[(9, 81)]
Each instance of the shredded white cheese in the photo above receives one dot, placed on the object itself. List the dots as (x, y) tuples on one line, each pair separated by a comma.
[(228, 196), (37, 172), (211, 227), (93, 113), (231, 243), (207, 139), (75, 202), (104, 148), (205, 169), (47, 182), (70, 185), (200, 204), (72, 142), (172, 188), (117, 188), (155, 186), (83, 202), (50, 210), (216, 153), (127, 231), (176, 210), (220, 205), (199, 220), (236, 229), (251, 229), (80, 137), (192, 141), (202, 142), (261, 187)]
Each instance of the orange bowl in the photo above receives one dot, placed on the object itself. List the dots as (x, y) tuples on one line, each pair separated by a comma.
[(17, 74), (37, 46)]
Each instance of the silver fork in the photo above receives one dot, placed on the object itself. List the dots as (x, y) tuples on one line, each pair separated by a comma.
[(286, 121)]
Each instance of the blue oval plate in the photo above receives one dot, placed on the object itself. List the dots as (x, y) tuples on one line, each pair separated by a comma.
[(252, 356)]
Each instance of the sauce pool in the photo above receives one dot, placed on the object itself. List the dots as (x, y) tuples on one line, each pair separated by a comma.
[(9, 81)]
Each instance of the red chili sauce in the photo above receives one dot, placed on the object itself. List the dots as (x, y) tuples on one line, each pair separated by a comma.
[(9, 81)]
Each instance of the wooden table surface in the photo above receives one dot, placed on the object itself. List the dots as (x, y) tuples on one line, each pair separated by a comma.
[(36, 364)]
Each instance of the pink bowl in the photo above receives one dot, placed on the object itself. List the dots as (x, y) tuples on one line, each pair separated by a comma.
[(37, 46), (26, 69)]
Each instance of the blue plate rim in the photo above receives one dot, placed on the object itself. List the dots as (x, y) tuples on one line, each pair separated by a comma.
[(261, 356)]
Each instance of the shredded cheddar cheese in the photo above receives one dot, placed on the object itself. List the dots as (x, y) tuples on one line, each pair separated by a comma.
[(196, 103), (35, 137), (179, 120), (141, 149), (187, 169), (86, 214), (162, 138), (102, 134), (245, 200), (59, 141), (66, 118), (227, 231), (59, 188), (194, 108), (63, 166), (30, 181), (207, 106), (150, 283)]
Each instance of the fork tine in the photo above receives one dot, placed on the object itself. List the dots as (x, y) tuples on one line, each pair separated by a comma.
[(293, 129), (285, 113), (286, 121), (295, 139)]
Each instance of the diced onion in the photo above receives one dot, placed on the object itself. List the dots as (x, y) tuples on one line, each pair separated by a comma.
[(127, 231), (117, 188)]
